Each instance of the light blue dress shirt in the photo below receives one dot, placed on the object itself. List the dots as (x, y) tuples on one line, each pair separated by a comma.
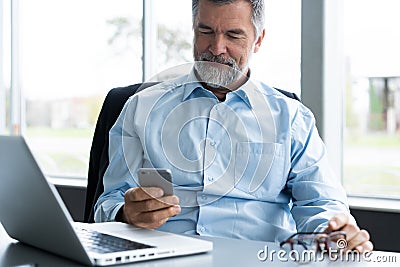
[(250, 167)]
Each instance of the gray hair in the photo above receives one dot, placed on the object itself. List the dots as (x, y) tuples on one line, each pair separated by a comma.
[(257, 18)]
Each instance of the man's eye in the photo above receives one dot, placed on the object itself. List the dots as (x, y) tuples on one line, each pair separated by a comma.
[(234, 36), (206, 32)]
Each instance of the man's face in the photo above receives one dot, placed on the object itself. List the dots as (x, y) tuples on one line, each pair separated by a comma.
[(226, 35)]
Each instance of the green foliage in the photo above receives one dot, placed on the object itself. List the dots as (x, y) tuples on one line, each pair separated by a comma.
[(373, 140), (171, 43), (94, 103), (376, 120), (123, 28), (372, 180), (351, 118)]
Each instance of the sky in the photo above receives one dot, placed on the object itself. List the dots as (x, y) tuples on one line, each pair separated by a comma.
[(64, 50)]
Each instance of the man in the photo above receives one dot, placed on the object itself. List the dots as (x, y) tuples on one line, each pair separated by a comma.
[(247, 162)]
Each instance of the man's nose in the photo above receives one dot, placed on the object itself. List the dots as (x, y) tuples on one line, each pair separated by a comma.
[(218, 45)]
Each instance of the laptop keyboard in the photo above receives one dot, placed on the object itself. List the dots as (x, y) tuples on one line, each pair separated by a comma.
[(102, 243)]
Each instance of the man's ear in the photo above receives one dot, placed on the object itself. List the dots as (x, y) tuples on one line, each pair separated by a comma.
[(259, 41)]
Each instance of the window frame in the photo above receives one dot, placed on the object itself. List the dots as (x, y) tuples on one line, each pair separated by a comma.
[(322, 73), (322, 56)]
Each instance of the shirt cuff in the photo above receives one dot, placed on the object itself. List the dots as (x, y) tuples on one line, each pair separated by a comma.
[(113, 214), (107, 211)]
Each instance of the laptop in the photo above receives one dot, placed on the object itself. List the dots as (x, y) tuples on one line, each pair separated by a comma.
[(32, 211)]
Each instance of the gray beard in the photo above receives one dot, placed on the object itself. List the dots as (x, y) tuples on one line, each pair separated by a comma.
[(216, 71)]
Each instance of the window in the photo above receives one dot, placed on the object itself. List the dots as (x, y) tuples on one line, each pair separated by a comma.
[(371, 151), (66, 56), (71, 53)]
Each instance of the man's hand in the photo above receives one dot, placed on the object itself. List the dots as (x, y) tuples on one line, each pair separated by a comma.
[(356, 239), (147, 208)]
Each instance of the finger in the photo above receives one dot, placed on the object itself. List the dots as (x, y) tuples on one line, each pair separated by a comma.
[(156, 204), (358, 240), (337, 222), (169, 200), (351, 231), (143, 193), (155, 219), (367, 246)]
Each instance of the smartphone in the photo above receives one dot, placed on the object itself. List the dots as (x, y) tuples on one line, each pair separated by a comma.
[(156, 177)]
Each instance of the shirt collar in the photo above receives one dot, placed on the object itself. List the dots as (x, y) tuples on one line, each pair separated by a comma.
[(247, 92), (192, 85)]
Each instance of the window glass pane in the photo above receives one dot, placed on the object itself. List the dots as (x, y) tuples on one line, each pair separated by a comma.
[(278, 61), (174, 35), (72, 53), (372, 130)]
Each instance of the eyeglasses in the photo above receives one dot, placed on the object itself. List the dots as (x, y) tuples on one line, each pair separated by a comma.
[(318, 241)]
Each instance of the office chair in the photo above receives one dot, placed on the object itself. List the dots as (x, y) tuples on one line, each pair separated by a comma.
[(98, 161)]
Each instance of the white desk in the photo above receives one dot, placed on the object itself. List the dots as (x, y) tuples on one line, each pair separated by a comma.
[(227, 252)]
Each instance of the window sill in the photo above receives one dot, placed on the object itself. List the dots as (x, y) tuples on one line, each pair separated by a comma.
[(374, 204)]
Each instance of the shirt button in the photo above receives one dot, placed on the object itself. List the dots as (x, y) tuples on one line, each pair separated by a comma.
[(212, 143), (203, 197), (202, 229), (210, 179)]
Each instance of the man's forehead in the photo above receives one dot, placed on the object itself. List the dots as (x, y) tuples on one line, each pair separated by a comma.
[(231, 15)]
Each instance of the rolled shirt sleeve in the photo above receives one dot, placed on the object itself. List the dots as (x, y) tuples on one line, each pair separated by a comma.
[(317, 194)]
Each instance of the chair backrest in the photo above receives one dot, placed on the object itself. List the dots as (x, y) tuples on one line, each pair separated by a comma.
[(98, 161)]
